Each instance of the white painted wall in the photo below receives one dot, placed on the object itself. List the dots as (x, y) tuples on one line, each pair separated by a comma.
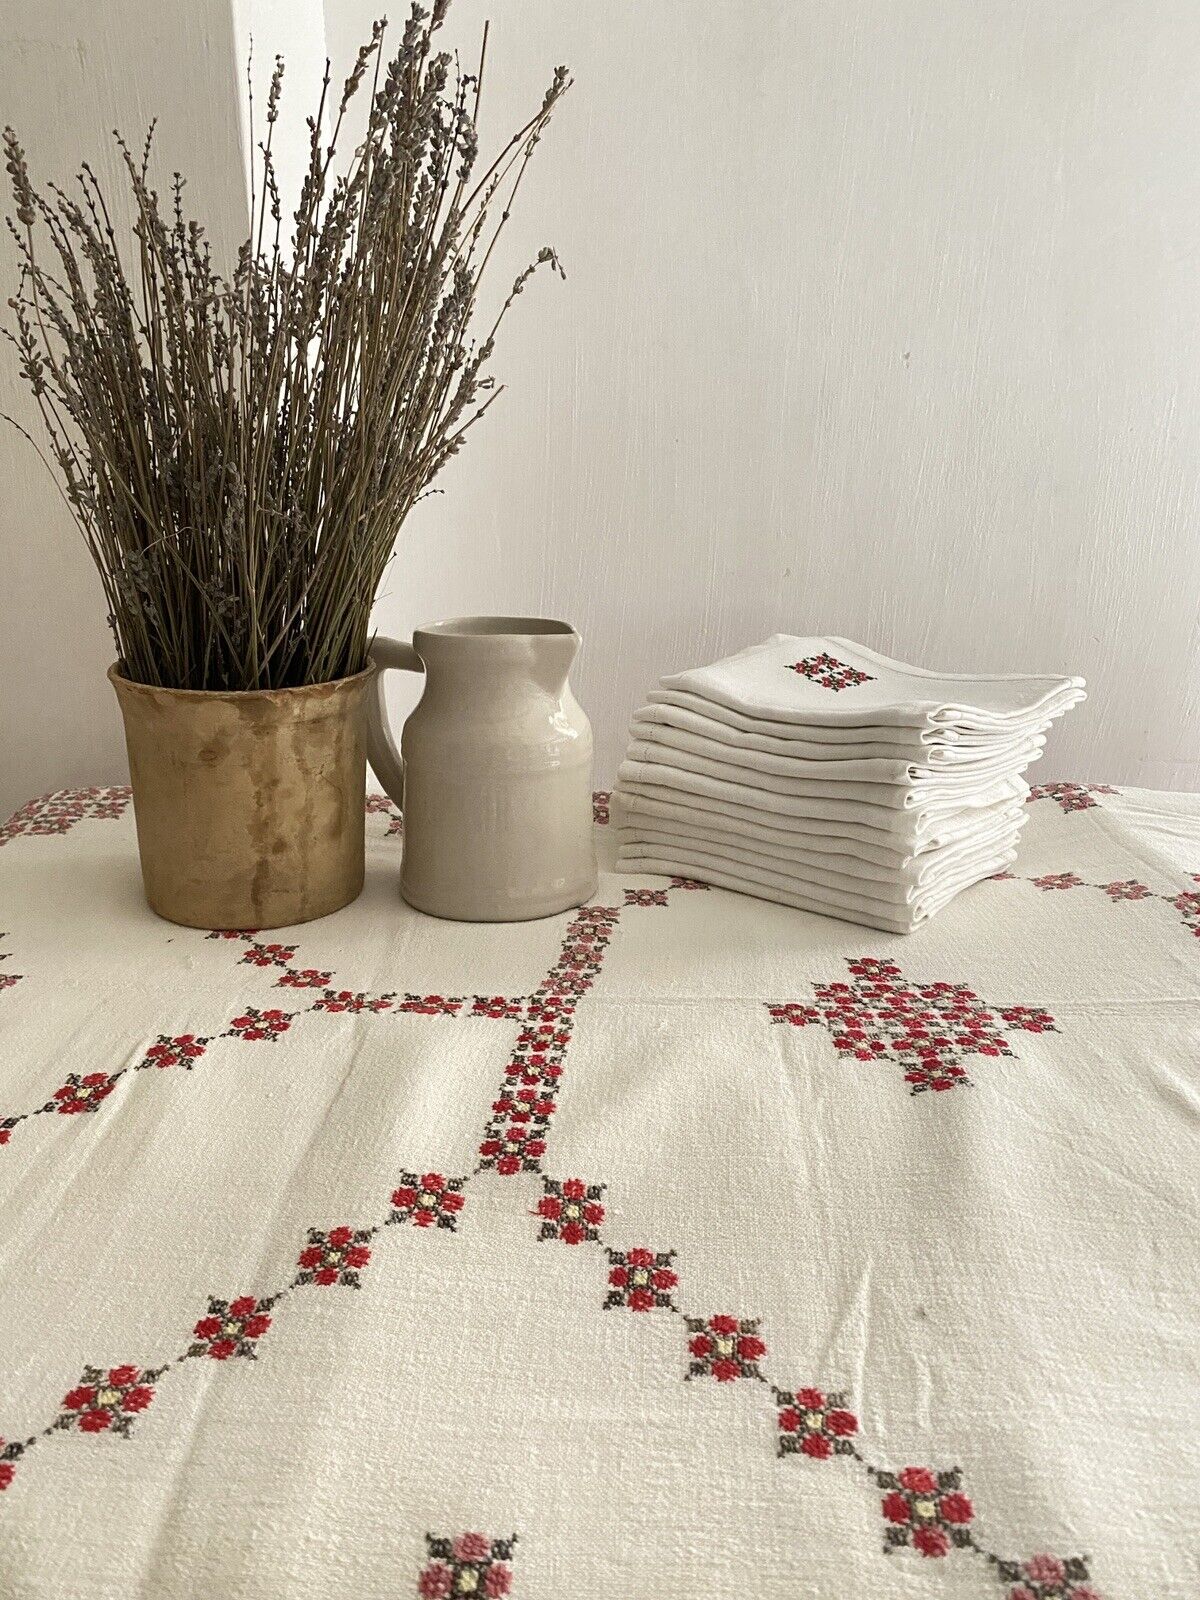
[(882, 319)]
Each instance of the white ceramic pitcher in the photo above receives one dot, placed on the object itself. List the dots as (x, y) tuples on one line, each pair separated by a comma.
[(496, 778)]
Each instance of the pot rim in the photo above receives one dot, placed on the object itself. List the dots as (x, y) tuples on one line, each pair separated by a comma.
[(117, 677)]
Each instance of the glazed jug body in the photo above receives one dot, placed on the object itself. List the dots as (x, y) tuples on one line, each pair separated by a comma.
[(497, 773)]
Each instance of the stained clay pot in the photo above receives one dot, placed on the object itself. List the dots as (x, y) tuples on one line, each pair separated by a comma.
[(249, 806)]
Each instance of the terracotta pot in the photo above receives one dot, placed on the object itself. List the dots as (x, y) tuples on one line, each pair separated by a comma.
[(249, 806)]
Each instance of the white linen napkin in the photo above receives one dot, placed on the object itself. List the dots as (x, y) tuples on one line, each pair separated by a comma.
[(922, 746), (802, 836), (895, 896), (1009, 756), (834, 682), (931, 870), (825, 733), (902, 832), (946, 790), (827, 902)]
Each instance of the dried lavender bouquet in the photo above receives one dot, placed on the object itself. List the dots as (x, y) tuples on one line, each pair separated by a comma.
[(240, 452)]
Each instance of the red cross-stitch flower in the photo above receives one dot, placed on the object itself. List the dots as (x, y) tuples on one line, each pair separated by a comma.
[(269, 955), (927, 1028), (260, 1024), (795, 1013), (925, 1509), (431, 1005), (724, 1348), (1030, 1019), (645, 897), (428, 1201), (8, 1454), (8, 979), (232, 933), (641, 1279), (334, 1257), (1129, 889), (497, 1006), (818, 1425), (306, 978), (515, 1149), (83, 1094), (600, 801), (178, 1050), (829, 672), (570, 1210), (470, 1565), (345, 1000), (232, 1327), (108, 1401), (687, 883), (1048, 1578), (1070, 796), (1058, 880)]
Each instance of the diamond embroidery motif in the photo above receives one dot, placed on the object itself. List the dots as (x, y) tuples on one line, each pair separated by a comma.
[(178, 1050), (82, 1094), (926, 1510), (269, 955), (471, 1565), (254, 1024), (231, 1328), (641, 1279), (571, 1210), (926, 1028), (724, 1348), (830, 673), (427, 1202), (104, 1402), (334, 1257), (815, 1424), (1047, 1578)]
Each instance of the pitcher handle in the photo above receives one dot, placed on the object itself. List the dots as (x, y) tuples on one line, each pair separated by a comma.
[(382, 753)]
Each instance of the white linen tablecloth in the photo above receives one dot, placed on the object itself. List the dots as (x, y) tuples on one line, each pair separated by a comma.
[(683, 1246)]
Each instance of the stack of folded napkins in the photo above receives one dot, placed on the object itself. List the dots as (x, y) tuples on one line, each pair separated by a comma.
[(819, 774)]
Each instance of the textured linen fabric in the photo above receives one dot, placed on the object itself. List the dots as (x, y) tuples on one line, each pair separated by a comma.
[(896, 745), (946, 866), (684, 1246), (888, 815), (801, 681), (883, 783), (698, 813), (834, 734), (897, 910), (1012, 755)]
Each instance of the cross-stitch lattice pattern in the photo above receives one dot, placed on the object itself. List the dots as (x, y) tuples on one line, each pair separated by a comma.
[(927, 1028)]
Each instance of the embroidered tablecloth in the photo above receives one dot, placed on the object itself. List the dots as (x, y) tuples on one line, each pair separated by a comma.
[(682, 1246)]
